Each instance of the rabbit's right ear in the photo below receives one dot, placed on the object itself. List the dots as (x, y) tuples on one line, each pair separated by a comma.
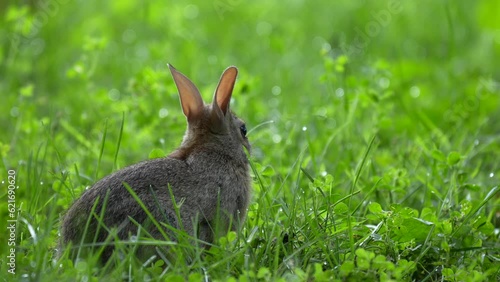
[(224, 90), (191, 102)]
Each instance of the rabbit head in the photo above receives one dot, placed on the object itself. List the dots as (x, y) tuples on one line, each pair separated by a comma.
[(210, 124)]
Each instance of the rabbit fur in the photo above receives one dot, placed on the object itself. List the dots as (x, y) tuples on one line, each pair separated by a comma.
[(207, 175)]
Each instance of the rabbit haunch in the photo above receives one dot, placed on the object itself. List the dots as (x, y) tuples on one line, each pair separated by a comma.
[(208, 176)]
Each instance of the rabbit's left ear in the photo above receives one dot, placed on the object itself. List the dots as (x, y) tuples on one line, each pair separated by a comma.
[(224, 90), (191, 102)]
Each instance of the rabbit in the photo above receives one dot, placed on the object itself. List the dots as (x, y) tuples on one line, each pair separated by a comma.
[(207, 177)]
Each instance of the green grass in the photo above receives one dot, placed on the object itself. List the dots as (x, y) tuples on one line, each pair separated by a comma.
[(374, 125)]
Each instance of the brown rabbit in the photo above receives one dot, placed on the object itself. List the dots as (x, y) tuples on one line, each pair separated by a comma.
[(207, 177)]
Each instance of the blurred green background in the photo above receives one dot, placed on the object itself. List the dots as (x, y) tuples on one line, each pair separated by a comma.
[(321, 78), (74, 64)]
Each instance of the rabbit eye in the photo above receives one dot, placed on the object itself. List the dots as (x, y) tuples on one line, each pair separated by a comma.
[(243, 130)]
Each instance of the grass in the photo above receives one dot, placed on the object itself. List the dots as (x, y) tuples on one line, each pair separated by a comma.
[(374, 128)]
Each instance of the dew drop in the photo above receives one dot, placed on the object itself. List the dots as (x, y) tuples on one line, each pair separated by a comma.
[(163, 113), (78, 68), (384, 82), (339, 92), (14, 112), (414, 91), (326, 47), (319, 41), (276, 138), (321, 112), (129, 36), (191, 12), (114, 94), (264, 28), (212, 59), (142, 52), (276, 90)]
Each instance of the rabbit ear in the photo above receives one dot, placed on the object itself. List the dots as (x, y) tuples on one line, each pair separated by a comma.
[(224, 90), (191, 102)]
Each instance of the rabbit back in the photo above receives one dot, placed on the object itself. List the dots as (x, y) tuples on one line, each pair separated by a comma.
[(221, 197)]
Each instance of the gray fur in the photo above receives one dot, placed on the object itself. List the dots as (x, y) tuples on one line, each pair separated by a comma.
[(208, 176)]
